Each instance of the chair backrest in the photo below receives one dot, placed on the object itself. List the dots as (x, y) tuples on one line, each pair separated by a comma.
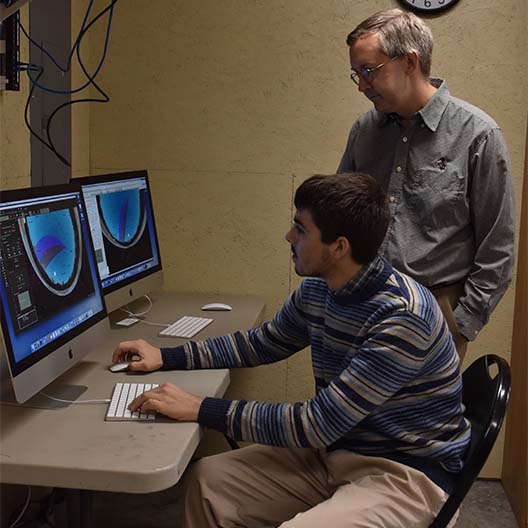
[(485, 399)]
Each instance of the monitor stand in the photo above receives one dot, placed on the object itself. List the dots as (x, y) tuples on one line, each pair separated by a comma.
[(58, 392), (61, 391)]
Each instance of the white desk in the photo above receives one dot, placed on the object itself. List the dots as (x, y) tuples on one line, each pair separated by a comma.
[(75, 447)]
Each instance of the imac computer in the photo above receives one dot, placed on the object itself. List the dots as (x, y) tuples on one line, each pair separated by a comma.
[(121, 216), (51, 303)]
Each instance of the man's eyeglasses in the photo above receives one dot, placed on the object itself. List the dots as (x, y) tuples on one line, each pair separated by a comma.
[(368, 73)]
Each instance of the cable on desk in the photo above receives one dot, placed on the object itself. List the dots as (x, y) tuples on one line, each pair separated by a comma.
[(132, 314), (24, 508), (138, 315), (73, 401), (151, 323)]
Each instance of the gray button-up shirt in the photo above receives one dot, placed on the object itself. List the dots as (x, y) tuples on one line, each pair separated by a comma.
[(448, 179)]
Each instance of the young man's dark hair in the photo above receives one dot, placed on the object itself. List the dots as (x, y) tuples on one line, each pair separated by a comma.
[(352, 205)]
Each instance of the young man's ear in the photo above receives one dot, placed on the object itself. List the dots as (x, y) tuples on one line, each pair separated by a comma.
[(341, 247)]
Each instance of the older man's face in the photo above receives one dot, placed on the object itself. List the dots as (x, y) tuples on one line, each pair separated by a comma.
[(387, 85)]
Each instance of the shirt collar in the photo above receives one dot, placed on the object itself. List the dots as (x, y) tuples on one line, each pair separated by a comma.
[(386, 119), (431, 113), (369, 280)]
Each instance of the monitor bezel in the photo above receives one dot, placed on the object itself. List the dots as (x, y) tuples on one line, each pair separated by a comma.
[(47, 356), (134, 287)]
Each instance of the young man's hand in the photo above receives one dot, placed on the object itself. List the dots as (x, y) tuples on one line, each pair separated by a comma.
[(171, 401), (149, 356)]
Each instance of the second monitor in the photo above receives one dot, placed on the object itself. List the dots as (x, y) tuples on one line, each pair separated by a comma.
[(121, 217)]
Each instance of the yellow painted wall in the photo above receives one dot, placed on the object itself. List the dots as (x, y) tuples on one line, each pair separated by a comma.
[(230, 105)]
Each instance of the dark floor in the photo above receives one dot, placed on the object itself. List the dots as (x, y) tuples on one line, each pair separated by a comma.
[(485, 506)]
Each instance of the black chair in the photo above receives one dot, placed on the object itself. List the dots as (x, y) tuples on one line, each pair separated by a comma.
[(486, 399)]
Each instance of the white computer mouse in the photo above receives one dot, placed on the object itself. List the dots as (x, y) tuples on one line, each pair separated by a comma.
[(119, 367), (123, 365), (218, 307)]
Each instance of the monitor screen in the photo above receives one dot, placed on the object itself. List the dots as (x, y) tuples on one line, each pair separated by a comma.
[(119, 208), (52, 308)]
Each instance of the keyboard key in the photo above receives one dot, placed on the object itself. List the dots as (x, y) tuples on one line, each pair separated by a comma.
[(123, 395), (187, 327)]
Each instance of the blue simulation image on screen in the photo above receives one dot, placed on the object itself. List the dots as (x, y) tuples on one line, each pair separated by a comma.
[(122, 216), (53, 240)]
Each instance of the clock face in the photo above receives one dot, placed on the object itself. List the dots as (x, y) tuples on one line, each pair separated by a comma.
[(428, 6)]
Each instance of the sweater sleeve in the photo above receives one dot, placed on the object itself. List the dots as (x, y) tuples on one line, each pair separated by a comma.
[(389, 358), (274, 341)]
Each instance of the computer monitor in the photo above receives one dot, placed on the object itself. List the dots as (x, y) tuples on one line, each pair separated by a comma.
[(51, 303), (121, 217)]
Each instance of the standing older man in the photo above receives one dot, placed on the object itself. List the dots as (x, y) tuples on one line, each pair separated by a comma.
[(445, 167)]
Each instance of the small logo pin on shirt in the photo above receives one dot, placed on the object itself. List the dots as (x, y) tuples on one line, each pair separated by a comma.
[(441, 164)]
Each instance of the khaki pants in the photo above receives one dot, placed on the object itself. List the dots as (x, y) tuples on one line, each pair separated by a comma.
[(260, 486), (447, 298)]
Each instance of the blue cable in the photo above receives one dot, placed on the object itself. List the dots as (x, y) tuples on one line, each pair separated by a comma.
[(48, 54), (32, 67), (81, 34), (38, 68)]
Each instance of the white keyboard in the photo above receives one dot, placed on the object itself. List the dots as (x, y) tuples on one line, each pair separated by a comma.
[(122, 396), (187, 326)]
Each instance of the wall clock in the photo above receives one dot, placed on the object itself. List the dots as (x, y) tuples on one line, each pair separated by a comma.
[(428, 6)]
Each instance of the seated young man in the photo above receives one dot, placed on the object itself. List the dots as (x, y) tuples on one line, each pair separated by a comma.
[(379, 443)]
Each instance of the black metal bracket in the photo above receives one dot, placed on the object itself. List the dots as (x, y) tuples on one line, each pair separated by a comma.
[(10, 52)]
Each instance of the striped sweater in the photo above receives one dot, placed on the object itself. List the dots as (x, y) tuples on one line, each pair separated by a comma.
[(386, 372)]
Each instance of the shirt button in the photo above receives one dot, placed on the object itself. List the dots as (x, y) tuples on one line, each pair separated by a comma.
[(398, 169), (422, 125), (404, 139), (391, 198)]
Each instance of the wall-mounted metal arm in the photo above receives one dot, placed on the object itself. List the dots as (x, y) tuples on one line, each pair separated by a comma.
[(6, 12)]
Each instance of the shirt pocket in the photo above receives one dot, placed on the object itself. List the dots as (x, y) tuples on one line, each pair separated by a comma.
[(437, 198)]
